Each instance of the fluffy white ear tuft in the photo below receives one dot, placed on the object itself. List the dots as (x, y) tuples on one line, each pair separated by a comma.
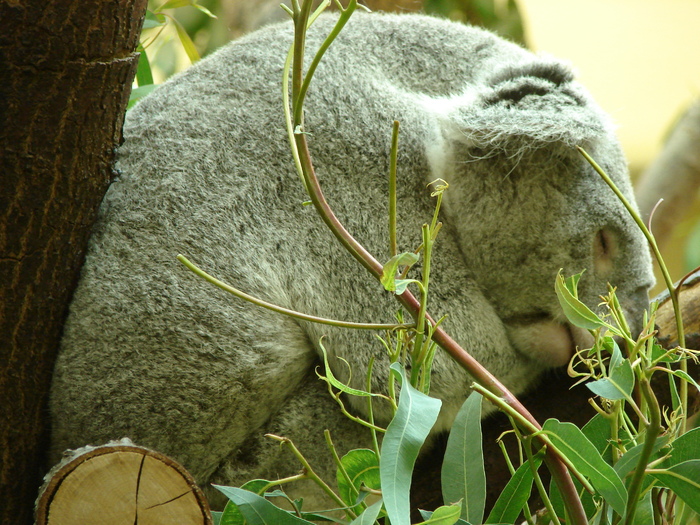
[(526, 106)]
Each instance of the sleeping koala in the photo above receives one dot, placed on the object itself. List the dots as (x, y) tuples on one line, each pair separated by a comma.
[(153, 353)]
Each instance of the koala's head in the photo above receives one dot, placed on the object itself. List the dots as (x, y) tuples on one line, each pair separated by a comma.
[(525, 203)]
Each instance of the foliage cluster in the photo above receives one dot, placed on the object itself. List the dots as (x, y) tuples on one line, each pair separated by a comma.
[(633, 463)]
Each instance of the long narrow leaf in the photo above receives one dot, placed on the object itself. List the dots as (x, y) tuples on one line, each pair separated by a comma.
[(369, 516), (415, 416), (463, 477), (514, 495), (575, 311), (445, 515), (569, 439), (257, 510), (684, 480)]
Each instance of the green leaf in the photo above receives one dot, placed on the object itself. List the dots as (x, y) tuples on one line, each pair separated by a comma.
[(514, 495), (362, 466), (337, 384), (660, 355), (685, 448), (463, 476), (628, 461), (257, 510), (675, 396), (203, 10), (445, 515), (231, 515), (152, 20), (144, 76), (415, 416), (174, 4), (575, 311), (645, 511), (620, 381), (569, 439), (684, 480), (369, 516), (684, 376), (391, 268), (186, 41)]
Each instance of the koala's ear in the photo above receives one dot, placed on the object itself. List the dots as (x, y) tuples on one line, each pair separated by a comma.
[(526, 106)]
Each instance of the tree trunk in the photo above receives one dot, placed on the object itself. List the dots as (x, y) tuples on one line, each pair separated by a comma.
[(66, 69)]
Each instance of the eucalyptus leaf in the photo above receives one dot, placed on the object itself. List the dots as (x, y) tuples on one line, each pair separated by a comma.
[(406, 433), (686, 377), (685, 448), (644, 514), (575, 311), (463, 477), (257, 510), (514, 495), (684, 480), (569, 439), (231, 514), (337, 384), (628, 462), (186, 41), (362, 466), (402, 284), (618, 385), (445, 515), (391, 268), (369, 516)]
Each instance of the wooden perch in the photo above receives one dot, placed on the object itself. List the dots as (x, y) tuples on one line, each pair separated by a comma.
[(117, 484)]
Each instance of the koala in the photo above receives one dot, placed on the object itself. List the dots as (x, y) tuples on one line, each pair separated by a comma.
[(153, 353)]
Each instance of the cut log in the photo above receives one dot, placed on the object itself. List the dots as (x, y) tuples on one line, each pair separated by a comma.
[(118, 484)]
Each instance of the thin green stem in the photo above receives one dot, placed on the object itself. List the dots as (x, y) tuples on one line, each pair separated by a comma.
[(370, 407), (653, 430), (672, 289), (339, 463), (536, 477), (412, 305), (393, 250), (279, 309), (418, 351), (301, 94), (528, 427), (311, 474)]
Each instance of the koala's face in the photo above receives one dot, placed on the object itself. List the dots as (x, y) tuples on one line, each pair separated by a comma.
[(524, 219)]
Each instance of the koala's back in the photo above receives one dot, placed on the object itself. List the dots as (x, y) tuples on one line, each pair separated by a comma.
[(153, 353)]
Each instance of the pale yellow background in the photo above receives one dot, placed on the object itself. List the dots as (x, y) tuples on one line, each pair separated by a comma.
[(639, 58)]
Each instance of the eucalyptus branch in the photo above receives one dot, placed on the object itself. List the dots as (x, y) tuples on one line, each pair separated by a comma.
[(279, 309), (653, 429), (311, 474), (674, 291), (536, 431), (474, 368)]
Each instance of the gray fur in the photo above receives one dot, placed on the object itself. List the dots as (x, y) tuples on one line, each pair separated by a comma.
[(153, 353)]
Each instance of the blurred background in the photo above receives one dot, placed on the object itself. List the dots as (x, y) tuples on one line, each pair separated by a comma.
[(639, 58)]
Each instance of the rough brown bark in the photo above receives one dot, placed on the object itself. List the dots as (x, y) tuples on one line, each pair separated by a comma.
[(66, 68)]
